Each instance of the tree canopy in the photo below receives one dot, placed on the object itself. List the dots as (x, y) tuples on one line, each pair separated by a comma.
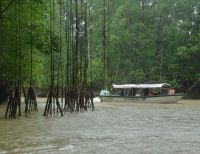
[(129, 41)]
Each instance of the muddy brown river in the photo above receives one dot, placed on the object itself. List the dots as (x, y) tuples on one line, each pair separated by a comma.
[(113, 128)]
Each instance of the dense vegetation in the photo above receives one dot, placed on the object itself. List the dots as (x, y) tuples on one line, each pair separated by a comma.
[(129, 41), (150, 40)]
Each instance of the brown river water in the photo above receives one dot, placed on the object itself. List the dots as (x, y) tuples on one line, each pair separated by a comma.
[(113, 128)]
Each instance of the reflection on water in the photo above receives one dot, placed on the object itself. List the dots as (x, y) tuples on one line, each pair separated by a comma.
[(111, 128)]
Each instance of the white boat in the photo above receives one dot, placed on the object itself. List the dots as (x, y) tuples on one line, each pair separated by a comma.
[(164, 93)]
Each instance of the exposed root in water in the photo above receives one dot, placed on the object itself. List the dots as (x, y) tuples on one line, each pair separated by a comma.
[(30, 101), (78, 100), (52, 104), (14, 102)]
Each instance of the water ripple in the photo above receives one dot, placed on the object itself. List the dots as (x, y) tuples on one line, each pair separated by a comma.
[(111, 128)]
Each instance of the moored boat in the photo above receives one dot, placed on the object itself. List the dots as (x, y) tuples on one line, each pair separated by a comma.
[(147, 93)]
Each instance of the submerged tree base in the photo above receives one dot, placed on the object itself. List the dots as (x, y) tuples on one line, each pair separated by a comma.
[(30, 101), (52, 104), (14, 102), (78, 100)]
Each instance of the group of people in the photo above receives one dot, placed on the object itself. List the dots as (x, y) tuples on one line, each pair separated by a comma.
[(171, 91), (145, 92)]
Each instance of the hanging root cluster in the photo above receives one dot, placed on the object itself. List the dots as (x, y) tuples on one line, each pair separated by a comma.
[(78, 100), (53, 105), (14, 103), (77, 97), (14, 97), (30, 101)]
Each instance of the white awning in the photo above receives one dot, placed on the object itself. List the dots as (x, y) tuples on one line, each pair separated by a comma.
[(140, 86)]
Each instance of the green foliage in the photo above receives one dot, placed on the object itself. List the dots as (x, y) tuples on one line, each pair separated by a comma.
[(146, 40), (150, 41), (15, 41)]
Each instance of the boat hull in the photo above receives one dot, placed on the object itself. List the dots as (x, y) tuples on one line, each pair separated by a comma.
[(148, 99)]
